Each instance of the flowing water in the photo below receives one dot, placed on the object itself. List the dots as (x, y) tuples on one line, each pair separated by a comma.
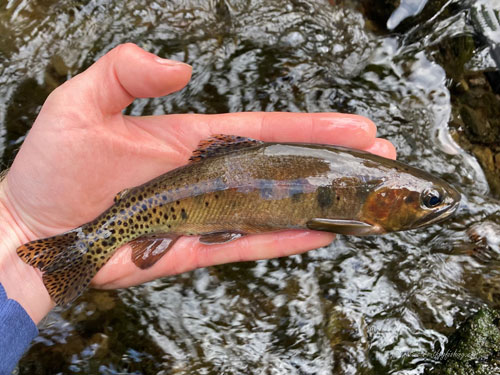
[(373, 305)]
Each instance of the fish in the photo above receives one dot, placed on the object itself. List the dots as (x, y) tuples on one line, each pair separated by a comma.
[(235, 186)]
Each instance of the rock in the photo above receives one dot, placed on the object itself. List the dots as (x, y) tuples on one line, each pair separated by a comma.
[(477, 124), (474, 349)]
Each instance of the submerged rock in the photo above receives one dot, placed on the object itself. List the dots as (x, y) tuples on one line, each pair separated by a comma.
[(474, 349), (476, 122)]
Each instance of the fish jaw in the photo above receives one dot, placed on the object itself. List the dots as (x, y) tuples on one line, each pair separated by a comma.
[(438, 215)]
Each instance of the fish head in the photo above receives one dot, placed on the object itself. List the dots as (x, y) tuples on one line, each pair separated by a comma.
[(413, 199)]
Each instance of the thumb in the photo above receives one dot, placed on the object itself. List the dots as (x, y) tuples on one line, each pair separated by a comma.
[(123, 74)]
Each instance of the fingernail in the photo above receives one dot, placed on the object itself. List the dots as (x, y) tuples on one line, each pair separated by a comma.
[(169, 62), (382, 147)]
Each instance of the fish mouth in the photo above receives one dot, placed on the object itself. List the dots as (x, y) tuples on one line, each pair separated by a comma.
[(438, 215)]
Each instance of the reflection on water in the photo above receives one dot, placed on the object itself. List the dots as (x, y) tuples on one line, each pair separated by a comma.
[(354, 308), (406, 8)]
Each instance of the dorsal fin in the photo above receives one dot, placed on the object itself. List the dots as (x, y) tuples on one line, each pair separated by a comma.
[(221, 144)]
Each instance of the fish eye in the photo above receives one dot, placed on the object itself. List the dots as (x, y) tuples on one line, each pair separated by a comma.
[(432, 198)]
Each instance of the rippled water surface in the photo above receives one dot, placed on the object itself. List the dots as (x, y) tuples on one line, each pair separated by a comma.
[(374, 305)]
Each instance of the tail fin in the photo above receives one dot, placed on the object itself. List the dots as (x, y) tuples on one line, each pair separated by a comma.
[(66, 264)]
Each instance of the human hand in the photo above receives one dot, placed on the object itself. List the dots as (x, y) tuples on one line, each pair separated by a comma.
[(82, 150)]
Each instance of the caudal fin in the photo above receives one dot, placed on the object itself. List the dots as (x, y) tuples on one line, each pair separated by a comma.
[(66, 264)]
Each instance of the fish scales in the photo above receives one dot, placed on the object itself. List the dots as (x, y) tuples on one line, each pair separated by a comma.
[(236, 186)]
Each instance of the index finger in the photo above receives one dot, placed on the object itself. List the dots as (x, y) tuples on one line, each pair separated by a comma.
[(327, 128)]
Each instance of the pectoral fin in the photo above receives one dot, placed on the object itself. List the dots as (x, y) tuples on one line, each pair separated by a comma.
[(146, 251), (219, 237), (341, 226)]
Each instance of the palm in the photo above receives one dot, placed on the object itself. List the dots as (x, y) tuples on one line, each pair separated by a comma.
[(82, 151), (82, 166)]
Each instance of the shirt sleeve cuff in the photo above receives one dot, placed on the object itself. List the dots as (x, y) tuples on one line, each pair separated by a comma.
[(17, 330)]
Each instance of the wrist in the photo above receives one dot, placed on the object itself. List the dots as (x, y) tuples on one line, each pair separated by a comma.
[(21, 282)]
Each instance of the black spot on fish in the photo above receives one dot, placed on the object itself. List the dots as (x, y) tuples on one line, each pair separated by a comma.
[(144, 207), (184, 214), (174, 217), (324, 197)]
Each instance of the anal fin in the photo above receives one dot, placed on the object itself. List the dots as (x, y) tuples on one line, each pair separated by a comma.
[(147, 250)]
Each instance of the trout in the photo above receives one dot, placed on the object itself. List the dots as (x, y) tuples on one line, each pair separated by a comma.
[(234, 186)]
